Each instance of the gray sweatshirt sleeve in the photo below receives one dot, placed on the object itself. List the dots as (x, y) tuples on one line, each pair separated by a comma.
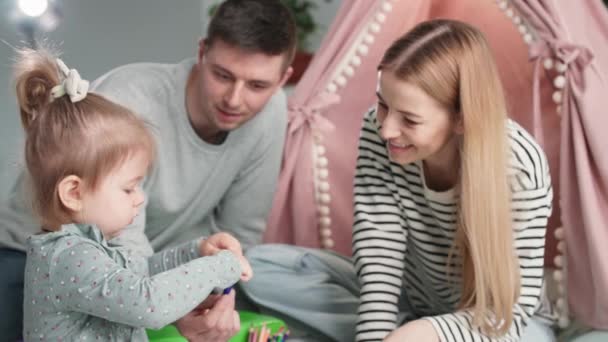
[(89, 281), (174, 257)]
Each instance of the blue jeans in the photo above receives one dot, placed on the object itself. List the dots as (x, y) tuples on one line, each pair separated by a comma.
[(317, 293), (12, 264), (593, 336)]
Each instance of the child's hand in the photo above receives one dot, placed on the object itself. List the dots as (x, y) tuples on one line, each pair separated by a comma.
[(221, 241), (246, 270)]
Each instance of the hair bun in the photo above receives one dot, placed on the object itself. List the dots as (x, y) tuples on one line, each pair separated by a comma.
[(35, 75)]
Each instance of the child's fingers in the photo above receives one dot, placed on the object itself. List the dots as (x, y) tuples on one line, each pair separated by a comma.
[(246, 270)]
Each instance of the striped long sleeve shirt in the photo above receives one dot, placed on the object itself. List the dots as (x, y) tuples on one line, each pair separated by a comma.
[(404, 231)]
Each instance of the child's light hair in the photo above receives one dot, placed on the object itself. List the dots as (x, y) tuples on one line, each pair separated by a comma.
[(452, 62), (89, 138)]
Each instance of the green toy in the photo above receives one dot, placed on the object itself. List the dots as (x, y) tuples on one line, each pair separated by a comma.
[(248, 320)]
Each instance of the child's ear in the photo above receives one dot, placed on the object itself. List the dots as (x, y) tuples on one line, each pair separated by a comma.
[(70, 192)]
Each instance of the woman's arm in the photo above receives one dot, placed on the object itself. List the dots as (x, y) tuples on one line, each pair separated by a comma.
[(378, 238)]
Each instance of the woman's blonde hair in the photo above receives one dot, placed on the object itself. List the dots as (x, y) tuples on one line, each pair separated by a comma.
[(89, 138), (452, 62)]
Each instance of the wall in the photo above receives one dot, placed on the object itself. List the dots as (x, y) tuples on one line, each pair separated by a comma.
[(96, 36)]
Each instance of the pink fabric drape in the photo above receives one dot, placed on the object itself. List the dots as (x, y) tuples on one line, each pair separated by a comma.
[(576, 33), (293, 218)]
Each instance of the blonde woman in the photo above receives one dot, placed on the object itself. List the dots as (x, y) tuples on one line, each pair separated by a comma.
[(451, 203), (451, 197)]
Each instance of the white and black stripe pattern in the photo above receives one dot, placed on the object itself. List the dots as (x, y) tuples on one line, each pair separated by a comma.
[(403, 233)]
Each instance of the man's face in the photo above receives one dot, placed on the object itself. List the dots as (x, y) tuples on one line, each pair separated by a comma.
[(234, 85)]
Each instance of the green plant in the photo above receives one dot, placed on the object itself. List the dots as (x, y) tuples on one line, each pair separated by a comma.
[(306, 25), (305, 22)]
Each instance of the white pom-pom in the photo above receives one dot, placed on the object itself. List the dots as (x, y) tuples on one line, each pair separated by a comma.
[(559, 261), (557, 97), (349, 71), (548, 63), (323, 173), (325, 221), (356, 61), (503, 5), (325, 198), (328, 243), (522, 29), (332, 87), (325, 232), (561, 67), (374, 27), (528, 38), (320, 149), (516, 20), (363, 49), (561, 246), (558, 276), (322, 162), (324, 186), (380, 17), (368, 38), (559, 233), (509, 13), (323, 210), (559, 82), (387, 7), (341, 81)]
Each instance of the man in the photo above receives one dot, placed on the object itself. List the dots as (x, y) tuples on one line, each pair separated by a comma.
[(220, 122)]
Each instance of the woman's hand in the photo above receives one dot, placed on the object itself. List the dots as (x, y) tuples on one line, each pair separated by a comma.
[(419, 330), (221, 241)]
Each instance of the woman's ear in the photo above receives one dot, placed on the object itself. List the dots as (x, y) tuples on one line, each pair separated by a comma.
[(459, 124), (70, 192)]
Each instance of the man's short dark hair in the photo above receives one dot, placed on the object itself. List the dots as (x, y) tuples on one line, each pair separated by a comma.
[(265, 26)]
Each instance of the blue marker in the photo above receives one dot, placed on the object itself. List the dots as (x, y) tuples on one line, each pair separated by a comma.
[(219, 290)]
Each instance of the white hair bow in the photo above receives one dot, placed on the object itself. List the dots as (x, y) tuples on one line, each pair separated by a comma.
[(72, 85)]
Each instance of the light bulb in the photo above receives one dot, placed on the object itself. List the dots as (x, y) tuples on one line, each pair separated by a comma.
[(33, 8)]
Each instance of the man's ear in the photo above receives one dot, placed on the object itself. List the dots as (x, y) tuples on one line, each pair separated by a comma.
[(70, 191), (286, 76), (201, 48)]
